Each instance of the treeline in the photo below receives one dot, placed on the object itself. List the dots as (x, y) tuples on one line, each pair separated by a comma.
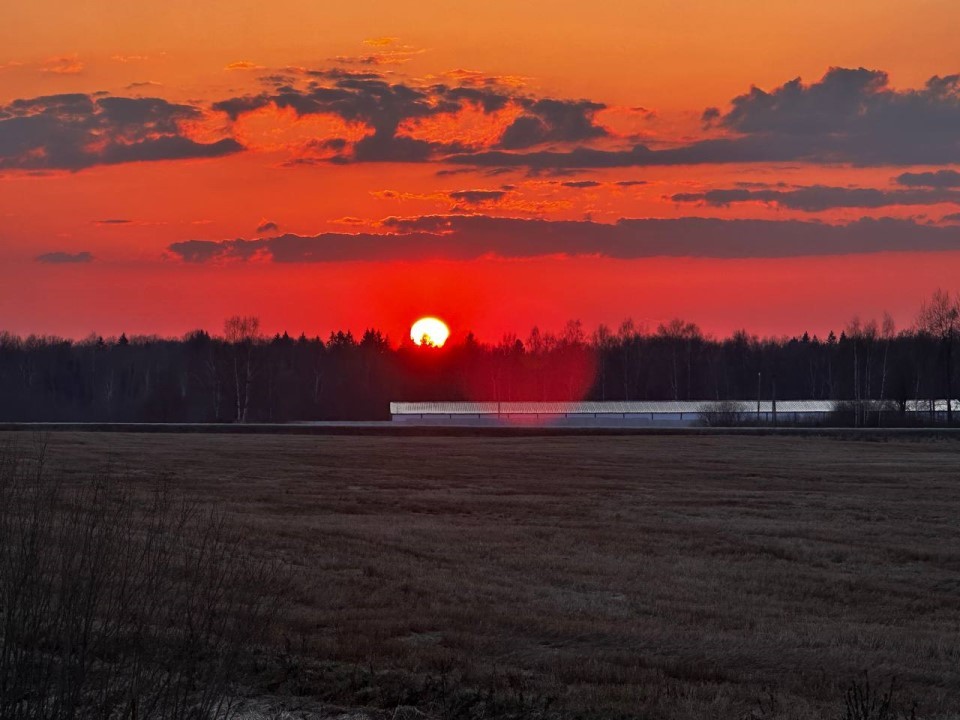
[(243, 376)]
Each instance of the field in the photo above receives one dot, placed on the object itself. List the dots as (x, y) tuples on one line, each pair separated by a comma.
[(673, 577)]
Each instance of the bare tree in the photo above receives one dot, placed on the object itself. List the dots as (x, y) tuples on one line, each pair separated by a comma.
[(242, 333), (603, 341), (940, 319), (627, 336), (679, 332), (888, 332)]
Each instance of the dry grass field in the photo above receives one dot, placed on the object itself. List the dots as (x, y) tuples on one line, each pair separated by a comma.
[(664, 577)]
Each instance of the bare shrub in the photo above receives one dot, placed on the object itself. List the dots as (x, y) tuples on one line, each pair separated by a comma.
[(114, 605), (723, 413), (863, 702)]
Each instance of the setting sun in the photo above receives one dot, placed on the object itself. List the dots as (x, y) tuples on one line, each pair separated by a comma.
[(429, 331)]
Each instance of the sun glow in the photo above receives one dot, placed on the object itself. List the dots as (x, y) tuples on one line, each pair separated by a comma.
[(429, 331)]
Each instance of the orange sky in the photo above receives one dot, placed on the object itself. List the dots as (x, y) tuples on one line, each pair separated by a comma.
[(324, 121)]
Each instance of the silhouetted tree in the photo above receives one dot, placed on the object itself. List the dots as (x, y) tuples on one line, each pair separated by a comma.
[(243, 377), (940, 319), (242, 332)]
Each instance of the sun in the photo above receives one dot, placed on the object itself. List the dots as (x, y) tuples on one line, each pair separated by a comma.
[(429, 331)]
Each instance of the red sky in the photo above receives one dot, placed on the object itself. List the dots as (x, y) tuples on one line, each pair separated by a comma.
[(498, 164)]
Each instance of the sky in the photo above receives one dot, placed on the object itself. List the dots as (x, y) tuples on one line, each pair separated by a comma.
[(775, 166)]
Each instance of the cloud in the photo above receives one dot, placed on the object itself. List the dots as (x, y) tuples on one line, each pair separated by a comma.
[(817, 198), (548, 120), (938, 179), (848, 116), (456, 171), (129, 58), (853, 115), (64, 258), (389, 52), (639, 155), (476, 197), (364, 98), (267, 226), (581, 184), (467, 237), (62, 65), (390, 109), (710, 115), (76, 131), (243, 65), (113, 221), (475, 78)]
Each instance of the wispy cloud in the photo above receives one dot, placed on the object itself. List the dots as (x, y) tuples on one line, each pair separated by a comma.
[(380, 41), (243, 65), (60, 257), (817, 198), (62, 65)]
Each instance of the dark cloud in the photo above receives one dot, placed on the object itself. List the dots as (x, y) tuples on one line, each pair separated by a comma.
[(817, 198), (710, 115), (630, 183), (487, 99), (853, 115), (370, 99), (763, 185), (548, 120), (64, 258), (469, 237), (848, 116), (707, 151), (456, 171), (113, 221), (235, 107), (267, 226), (951, 218), (475, 197), (76, 131), (383, 106), (387, 147), (938, 179), (580, 184)]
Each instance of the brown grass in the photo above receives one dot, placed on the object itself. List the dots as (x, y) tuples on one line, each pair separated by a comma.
[(678, 577)]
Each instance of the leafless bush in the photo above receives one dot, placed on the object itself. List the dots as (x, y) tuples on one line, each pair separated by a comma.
[(723, 413), (114, 605), (863, 702)]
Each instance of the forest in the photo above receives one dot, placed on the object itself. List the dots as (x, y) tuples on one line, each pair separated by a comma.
[(242, 375)]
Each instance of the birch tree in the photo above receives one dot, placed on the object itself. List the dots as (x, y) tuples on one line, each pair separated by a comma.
[(242, 333)]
